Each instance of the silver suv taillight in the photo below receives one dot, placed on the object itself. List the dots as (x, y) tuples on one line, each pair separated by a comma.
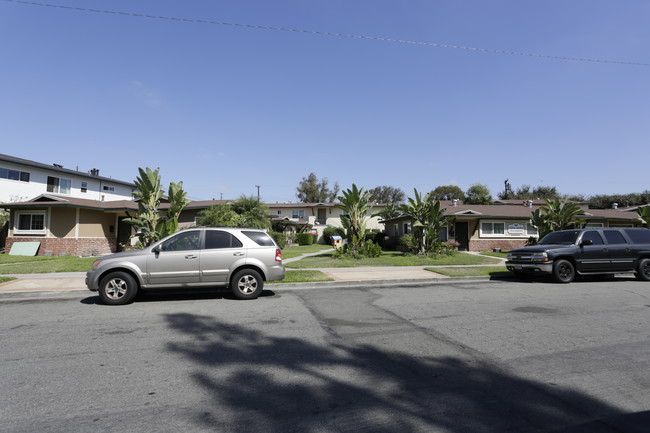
[(278, 255)]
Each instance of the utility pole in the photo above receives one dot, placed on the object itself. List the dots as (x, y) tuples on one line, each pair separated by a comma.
[(258, 192), (221, 196)]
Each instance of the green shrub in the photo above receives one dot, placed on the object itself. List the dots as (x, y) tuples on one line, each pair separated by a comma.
[(305, 238), (332, 231), (279, 239)]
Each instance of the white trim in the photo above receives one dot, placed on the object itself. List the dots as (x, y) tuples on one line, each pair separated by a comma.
[(18, 231), (511, 229), (76, 226)]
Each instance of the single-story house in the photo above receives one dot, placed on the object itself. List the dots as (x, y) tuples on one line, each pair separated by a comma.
[(504, 225), (67, 225)]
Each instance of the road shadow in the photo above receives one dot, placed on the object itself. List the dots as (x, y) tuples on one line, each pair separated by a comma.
[(255, 381), (167, 295)]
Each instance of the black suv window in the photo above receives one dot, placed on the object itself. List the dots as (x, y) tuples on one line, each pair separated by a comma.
[(260, 238), (639, 236), (594, 237), (567, 237), (614, 237), (218, 239), (182, 242)]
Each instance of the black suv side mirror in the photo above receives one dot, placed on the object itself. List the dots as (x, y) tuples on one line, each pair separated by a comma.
[(586, 242)]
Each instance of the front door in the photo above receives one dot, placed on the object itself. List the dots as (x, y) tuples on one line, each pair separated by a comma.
[(177, 262), (461, 231), (322, 216), (123, 233), (593, 257)]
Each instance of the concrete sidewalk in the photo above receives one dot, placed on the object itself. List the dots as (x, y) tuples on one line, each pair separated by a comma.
[(75, 281), (71, 283)]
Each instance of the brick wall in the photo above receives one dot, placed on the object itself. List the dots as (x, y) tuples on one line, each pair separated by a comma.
[(68, 246), (490, 244)]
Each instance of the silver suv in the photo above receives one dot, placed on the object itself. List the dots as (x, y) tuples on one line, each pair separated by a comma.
[(241, 259)]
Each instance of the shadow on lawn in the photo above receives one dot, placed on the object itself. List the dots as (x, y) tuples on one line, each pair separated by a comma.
[(260, 382)]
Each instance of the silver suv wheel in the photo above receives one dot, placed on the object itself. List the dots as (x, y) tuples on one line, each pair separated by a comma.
[(247, 284)]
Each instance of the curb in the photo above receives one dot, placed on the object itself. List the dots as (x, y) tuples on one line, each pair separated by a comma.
[(419, 282)]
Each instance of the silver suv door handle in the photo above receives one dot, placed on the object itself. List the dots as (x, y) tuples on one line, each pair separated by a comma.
[(190, 256), (239, 253)]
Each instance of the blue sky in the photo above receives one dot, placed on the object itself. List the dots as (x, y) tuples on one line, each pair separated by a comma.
[(225, 108)]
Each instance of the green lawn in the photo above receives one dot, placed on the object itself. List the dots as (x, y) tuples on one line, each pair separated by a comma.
[(503, 255), (390, 258), (41, 264), (303, 277), (298, 250), (5, 279), (473, 271)]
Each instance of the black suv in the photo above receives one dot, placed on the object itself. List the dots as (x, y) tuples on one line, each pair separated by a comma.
[(564, 253)]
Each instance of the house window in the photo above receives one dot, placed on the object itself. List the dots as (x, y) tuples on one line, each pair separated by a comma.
[(57, 185), (108, 188), (493, 229), (298, 213), (84, 186), (531, 230), (594, 225), (407, 228), (30, 223), (6, 173)]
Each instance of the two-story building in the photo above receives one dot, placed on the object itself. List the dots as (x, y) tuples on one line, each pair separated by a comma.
[(22, 179)]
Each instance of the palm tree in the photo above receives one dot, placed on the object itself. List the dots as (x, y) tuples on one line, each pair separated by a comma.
[(428, 220), (560, 215), (356, 204), (644, 214)]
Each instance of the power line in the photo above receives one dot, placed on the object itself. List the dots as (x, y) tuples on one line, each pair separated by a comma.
[(333, 34)]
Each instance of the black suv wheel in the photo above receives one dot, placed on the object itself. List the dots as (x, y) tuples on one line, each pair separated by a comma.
[(563, 271)]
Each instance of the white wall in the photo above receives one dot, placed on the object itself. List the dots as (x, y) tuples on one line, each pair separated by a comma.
[(16, 190)]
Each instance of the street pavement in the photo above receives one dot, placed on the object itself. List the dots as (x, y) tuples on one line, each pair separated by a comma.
[(69, 283)]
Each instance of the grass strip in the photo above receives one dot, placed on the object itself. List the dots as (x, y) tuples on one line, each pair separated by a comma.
[(55, 264), (303, 277), (298, 250), (391, 258), (5, 279), (473, 271)]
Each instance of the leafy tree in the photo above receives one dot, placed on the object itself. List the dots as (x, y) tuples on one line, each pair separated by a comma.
[(151, 224), (387, 194), (428, 220), (356, 203), (447, 192), (605, 201), (390, 211), (311, 190), (525, 192), (253, 212), (478, 194), (644, 214), (556, 215), (219, 215)]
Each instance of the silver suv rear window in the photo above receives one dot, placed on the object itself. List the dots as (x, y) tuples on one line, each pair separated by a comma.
[(260, 238)]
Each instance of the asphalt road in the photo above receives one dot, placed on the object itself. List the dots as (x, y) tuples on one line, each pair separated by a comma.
[(450, 357)]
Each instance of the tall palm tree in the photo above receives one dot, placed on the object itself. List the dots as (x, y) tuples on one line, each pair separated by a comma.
[(356, 203), (561, 215)]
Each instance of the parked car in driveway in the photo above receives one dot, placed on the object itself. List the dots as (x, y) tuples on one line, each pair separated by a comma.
[(241, 259), (565, 253)]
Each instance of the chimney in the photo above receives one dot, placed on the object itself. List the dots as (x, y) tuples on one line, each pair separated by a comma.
[(614, 205), (529, 203), (94, 172), (454, 202)]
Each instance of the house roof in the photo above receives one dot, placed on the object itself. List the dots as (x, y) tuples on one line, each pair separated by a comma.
[(503, 211), (55, 168), (55, 200)]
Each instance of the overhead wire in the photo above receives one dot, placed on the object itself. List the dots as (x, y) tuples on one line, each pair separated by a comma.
[(325, 33)]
